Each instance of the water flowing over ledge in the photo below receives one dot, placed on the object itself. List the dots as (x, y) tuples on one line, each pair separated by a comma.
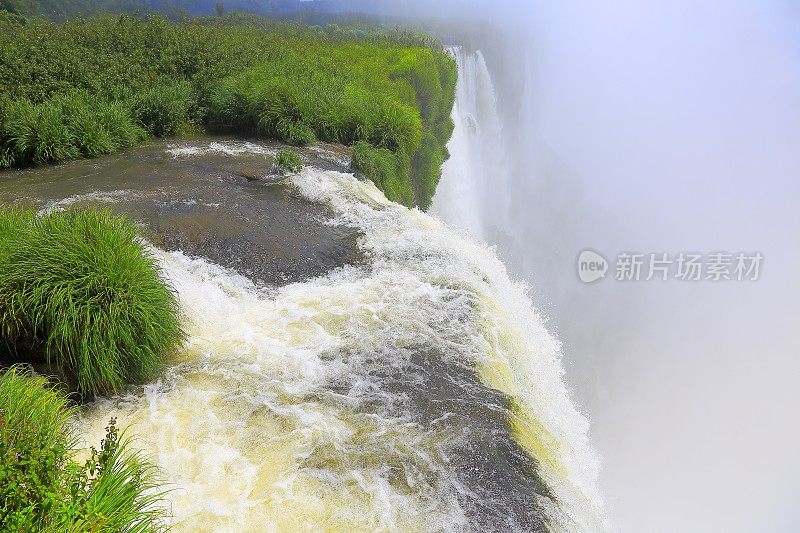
[(474, 191), (408, 393)]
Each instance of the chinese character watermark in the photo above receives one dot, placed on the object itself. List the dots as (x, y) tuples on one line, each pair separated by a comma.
[(662, 266)]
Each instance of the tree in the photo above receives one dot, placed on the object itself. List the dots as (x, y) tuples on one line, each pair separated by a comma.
[(220, 9)]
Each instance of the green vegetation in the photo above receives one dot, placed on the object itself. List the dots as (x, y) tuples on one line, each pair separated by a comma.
[(67, 126), (42, 485), (93, 86), (79, 292), (394, 98), (288, 162), (385, 168), (164, 108), (81, 298), (174, 9)]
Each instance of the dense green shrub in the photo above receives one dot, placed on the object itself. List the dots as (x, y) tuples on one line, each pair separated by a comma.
[(79, 291), (38, 133), (288, 162), (426, 168), (389, 97), (164, 108), (385, 169), (34, 442), (43, 487), (66, 126)]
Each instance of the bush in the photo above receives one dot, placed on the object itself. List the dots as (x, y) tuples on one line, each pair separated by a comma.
[(426, 169), (116, 120), (42, 488), (34, 441), (79, 291), (288, 162), (295, 133), (387, 96), (65, 127), (37, 134), (385, 169), (164, 108)]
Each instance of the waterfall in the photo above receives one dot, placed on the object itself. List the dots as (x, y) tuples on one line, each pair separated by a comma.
[(419, 392), (477, 167)]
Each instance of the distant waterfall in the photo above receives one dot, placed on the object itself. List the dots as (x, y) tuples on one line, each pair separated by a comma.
[(477, 166)]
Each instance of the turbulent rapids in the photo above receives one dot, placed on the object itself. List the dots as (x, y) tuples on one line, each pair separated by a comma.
[(416, 391), (350, 364)]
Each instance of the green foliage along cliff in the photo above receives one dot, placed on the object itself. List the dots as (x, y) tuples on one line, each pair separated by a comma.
[(92, 86)]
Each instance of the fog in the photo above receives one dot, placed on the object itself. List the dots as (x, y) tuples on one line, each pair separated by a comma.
[(662, 127), (678, 126)]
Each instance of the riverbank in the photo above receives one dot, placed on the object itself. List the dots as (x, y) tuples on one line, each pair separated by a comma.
[(89, 87)]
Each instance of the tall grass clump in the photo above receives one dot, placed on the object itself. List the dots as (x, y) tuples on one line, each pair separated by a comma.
[(164, 108), (81, 293), (35, 439), (426, 169), (288, 162), (38, 133), (391, 97), (67, 126), (99, 128), (385, 169), (42, 485)]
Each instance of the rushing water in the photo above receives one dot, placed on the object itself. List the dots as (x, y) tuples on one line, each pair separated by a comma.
[(416, 391), (477, 168)]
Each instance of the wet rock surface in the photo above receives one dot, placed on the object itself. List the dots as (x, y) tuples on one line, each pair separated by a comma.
[(494, 479), (210, 197)]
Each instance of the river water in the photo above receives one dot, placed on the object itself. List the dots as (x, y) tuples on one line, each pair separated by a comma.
[(386, 375)]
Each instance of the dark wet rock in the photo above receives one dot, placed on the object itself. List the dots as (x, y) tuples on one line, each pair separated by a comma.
[(221, 206), (254, 172)]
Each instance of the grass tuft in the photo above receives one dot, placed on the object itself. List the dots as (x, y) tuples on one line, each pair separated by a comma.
[(67, 126), (78, 290), (288, 162), (386, 169), (164, 108)]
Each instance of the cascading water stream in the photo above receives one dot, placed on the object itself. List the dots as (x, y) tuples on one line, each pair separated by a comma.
[(477, 167), (418, 392), (361, 400)]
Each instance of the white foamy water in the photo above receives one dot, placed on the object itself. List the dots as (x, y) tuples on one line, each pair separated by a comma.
[(107, 197), (277, 415), (227, 148)]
